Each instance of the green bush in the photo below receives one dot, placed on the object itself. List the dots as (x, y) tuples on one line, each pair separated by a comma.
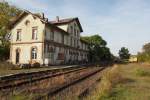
[(144, 57), (142, 72)]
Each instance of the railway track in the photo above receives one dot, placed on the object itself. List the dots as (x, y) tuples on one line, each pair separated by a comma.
[(52, 81), (17, 80), (51, 94)]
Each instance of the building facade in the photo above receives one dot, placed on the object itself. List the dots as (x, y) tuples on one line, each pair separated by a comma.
[(35, 39)]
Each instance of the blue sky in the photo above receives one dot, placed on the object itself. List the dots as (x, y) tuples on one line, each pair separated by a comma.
[(119, 22)]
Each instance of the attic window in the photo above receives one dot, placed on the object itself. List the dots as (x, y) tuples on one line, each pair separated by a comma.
[(34, 17), (27, 22)]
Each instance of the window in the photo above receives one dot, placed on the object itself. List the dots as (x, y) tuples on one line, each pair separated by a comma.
[(34, 53), (52, 35), (60, 56), (27, 22), (77, 32), (18, 38), (77, 43), (74, 43), (51, 55), (45, 48), (62, 38), (34, 33), (71, 41), (74, 32), (71, 29), (75, 24)]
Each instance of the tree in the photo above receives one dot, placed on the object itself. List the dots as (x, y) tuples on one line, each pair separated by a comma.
[(97, 48), (124, 53), (7, 13), (146, 47), (145, 55)]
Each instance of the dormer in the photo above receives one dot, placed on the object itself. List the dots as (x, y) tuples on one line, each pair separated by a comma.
[(70, 25)]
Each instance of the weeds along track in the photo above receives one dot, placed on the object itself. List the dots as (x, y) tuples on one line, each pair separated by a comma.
[(16, 80)]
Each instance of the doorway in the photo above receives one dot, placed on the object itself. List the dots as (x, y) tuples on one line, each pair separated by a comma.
[(17, 56)]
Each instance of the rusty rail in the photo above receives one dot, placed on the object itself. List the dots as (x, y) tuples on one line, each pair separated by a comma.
[(59, 89), (27, 78)]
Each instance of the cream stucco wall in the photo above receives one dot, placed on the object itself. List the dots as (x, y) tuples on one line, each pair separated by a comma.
[(26, 34), (25, 52), (26, 42)]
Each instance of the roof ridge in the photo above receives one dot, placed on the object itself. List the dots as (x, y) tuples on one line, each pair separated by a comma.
[(63, 19)]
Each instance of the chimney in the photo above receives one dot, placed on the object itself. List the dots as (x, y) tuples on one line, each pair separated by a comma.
[(42, 15), (57, 18), (46, 19)]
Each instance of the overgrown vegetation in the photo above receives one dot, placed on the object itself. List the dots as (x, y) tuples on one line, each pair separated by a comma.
[(124, 82), (142, 72), (110, 77), (145, 55)]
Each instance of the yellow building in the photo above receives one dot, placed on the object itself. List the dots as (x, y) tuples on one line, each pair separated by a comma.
[(133, 58)]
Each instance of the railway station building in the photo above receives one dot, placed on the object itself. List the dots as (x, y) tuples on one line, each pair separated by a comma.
[(36, 39)]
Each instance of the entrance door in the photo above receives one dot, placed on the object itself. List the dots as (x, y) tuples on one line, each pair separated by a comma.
[(17, 56)]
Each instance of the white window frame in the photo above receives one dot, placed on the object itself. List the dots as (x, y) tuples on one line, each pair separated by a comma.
[(18, 36), (34, 33), (34, 53)]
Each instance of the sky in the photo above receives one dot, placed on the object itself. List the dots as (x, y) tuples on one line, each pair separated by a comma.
[(119, 22)]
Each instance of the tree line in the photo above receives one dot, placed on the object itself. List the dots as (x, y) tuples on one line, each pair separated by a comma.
[(98, 50)]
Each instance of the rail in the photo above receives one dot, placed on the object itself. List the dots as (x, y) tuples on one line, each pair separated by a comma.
[(27, 78)]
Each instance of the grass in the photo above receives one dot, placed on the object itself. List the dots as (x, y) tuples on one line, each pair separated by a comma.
[(120, 82), (124, 82), (142, 72)]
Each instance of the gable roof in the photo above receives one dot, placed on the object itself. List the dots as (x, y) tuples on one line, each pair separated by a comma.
[(24, 13), (66, 21), (44, 20)]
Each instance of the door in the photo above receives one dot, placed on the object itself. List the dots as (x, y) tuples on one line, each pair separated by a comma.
[(17, 56)]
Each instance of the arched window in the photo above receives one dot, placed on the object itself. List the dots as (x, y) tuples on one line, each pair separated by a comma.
[(27, 22), (34, 53)]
